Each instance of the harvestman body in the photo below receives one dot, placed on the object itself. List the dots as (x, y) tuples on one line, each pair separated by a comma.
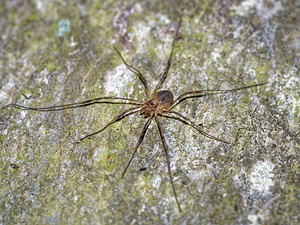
[(159, 104)]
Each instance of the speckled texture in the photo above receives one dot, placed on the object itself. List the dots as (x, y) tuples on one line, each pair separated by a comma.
[(54, 52)]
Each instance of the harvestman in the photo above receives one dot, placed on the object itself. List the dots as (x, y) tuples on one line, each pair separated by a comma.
[(158, 104)]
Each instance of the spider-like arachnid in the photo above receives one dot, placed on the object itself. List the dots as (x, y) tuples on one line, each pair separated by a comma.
[(159, 104)]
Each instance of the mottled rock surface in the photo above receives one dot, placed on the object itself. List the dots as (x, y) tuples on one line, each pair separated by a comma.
[(56, 52)]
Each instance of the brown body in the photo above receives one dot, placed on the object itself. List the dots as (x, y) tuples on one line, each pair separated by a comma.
[(159, 103)]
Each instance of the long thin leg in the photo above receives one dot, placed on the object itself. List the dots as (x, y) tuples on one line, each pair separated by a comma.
[(135, 71), (201, 93), (185, 120), (142, 135), (77, 104), (166, 148), (117, 118), (166, 70)]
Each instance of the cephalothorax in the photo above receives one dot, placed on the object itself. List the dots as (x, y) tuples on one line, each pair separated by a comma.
[(158, 104)]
